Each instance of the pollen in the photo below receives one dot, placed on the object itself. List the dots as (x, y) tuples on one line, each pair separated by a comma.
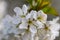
[(23, 16), (29, 22)]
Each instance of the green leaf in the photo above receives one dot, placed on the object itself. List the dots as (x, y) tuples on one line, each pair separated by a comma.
[(50, 10), (46, 9), (30, 1), (45, 4), (39, 2), (53, 11)]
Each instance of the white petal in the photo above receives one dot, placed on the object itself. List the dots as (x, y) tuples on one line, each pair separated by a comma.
[(43, 15), (23, 26), (33, 12), (36, 37), (35, 15), (18, 11), (40, 25), (24, 20), (26, 36), (24, 9), (28, 16), (54, 34), (41, 33), (16, 20), (56, 19), (18, 31), (8, 18), (32, 36), (31, 15), (40, 12), (53, 26), (33, 29)]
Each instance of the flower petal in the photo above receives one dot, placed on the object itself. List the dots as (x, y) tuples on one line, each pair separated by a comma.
[(24, 20), (23, 26), (26, 36), (34, 15), (28, 16), (40, 25), (31, 15), (33, 29), (18, 11), (43, 16), (16, 20), (8, 18), (24, 9), (18, 31), (32, 36)]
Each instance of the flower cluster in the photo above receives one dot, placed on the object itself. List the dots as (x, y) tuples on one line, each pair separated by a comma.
[(31, 25)]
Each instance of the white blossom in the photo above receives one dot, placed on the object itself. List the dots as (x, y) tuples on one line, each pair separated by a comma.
[(43, 16), (21, 12), (31, 25), (54, 28)]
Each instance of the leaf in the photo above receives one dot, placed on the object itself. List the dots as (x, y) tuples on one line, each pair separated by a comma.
[(44, 4), (39, 2), (53, 11), (29, 1), (50, 10)]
